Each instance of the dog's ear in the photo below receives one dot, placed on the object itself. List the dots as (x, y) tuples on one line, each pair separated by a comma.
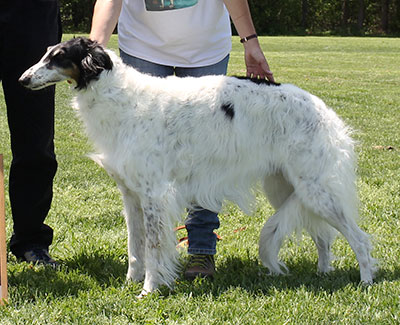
[(87, 64), (96, 61), (101, 58), (93, 63)]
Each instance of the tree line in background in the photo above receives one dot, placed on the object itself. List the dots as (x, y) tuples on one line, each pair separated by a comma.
[(290, 17)]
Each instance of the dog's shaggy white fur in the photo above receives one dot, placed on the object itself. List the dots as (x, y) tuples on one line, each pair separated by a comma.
[(170, 143)]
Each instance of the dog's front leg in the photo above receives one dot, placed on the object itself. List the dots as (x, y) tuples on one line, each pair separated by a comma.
[(159, 246), (136, 235)]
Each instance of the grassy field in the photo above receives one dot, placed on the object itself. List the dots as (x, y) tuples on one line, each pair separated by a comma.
[(360, 79)]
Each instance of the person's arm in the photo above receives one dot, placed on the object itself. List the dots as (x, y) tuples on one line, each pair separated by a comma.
[(256, 64), (105, 18)]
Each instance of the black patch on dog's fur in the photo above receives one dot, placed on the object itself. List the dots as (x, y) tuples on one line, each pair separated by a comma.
[(258, 81), (228, 110)]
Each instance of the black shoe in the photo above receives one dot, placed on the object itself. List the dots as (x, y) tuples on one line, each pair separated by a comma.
[(39, 255), (200, 265)]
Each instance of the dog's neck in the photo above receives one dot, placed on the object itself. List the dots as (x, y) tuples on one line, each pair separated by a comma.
[(97, 104)]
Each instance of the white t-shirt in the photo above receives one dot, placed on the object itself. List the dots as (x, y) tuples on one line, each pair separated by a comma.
[(182, 33)]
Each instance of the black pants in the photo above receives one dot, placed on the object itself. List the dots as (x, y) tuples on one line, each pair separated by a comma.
[(27, 28)]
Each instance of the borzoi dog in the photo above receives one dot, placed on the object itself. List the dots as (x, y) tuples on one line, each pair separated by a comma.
[(172, 143)]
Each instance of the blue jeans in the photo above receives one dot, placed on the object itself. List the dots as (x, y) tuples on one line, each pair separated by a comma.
[(200, 224)]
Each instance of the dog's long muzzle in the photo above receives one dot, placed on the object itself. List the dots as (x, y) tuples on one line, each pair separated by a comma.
[(39, 77)]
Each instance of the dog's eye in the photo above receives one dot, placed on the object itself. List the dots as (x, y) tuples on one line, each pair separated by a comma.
[(58, 55), (59, 59)]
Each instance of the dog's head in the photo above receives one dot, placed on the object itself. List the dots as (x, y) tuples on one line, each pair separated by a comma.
[(80, 60)]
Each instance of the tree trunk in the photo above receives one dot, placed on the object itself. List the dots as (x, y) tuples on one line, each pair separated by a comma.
[(345, 13), (385, 15), (361, 15), (304, 13)]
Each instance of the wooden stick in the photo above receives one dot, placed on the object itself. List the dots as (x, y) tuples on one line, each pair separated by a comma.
[(3, 249)]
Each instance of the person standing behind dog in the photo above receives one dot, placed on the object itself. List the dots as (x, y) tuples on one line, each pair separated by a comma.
[(27, 28), (185, 38)]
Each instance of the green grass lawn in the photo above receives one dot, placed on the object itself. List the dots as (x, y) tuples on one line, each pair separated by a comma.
[(360, 79)]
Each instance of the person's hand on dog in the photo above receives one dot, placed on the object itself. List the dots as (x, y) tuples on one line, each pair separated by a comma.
[(256, 63)]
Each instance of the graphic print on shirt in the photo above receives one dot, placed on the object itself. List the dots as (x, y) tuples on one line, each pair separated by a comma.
[(161, 5)]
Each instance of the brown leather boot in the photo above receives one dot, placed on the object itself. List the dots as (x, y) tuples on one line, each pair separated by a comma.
[(200, 265)]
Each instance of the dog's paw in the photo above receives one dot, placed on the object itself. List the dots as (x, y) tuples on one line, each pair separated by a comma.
[(135, 275), (366, 284), (366, 281), (276, 268), (367, 275), (143, 294), (325, 269)]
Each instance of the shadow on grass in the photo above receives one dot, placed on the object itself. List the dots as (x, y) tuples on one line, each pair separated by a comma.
[(252, 277), (105, 270), (94, 271), (80, 273)]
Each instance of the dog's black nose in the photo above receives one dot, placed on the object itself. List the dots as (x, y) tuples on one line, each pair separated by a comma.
[(24, 80)]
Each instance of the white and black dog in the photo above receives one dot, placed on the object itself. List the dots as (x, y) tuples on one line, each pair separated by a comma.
[(171, 143)]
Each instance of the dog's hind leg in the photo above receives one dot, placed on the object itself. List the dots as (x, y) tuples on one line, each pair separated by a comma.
[(136, 235), (285, 220), (277, 189), (333, 210), (323, 235)]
